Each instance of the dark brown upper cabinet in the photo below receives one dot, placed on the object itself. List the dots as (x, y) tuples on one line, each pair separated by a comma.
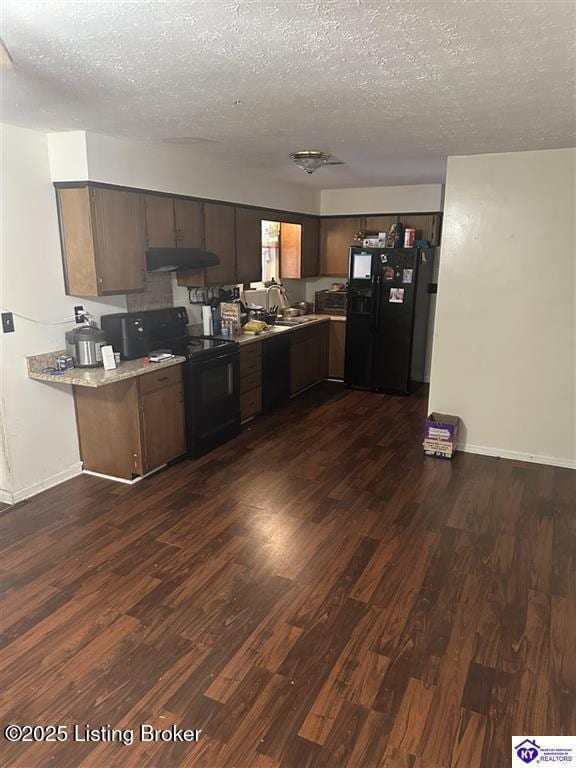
[(102, 234), (310, 261), (249, 244), (220, 238), (427, 225), (189, 223), (160, 225), (378, 223), (336, 237)]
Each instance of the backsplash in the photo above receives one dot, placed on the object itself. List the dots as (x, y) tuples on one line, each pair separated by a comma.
[(158, 293)]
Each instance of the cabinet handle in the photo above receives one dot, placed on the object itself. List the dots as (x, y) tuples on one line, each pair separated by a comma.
[(163, 378)]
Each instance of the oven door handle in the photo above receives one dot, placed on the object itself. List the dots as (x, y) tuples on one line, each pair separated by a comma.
[(231, 356)]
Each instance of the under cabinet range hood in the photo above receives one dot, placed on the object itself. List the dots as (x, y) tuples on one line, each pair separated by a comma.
[(171, 259)]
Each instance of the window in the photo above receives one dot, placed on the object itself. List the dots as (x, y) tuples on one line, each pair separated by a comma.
[(270, 250)]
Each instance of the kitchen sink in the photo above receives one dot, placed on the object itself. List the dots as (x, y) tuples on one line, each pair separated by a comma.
[(302, 320)]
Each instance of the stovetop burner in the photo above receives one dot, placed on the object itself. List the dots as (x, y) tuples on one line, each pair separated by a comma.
[(200, 344), (193, 347)]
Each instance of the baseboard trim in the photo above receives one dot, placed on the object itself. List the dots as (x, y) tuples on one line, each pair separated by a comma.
[(49, 482), (484, 450), (5, 497), (122, 479)]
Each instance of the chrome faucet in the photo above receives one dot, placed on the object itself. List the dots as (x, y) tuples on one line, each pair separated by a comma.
[(281, 290)]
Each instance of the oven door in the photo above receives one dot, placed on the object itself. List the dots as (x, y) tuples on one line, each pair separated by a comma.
[(212, 397)]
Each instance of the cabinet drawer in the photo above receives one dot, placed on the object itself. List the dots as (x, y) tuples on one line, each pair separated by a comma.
[(250, 381), (251, 351), (165, 377), (250, 403), (250, 359), (305, 334)]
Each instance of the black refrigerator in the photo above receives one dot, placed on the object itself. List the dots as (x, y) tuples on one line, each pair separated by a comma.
[(387, 321)]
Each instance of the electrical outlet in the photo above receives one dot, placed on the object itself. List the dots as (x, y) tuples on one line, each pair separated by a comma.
[(7, 322), (79, 313)]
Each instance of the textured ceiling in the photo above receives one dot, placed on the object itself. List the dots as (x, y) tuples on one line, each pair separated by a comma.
[(391, 88)]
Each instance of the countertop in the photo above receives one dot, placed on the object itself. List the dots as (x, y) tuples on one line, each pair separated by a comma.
[(93, 377), (247, 338), (127, 369)]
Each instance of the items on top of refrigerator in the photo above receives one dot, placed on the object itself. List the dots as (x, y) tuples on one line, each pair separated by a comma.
[(375, 241), (409, 237)]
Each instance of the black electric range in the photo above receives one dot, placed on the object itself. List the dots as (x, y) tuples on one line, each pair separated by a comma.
[(200, 347), (211, 372)]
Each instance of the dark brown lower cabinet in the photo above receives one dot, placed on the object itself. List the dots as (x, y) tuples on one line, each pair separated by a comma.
[(250, 380), (337, 349), (308, 356), (133, 426)]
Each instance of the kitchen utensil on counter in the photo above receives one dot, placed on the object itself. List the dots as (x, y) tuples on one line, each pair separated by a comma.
[(84, 345), (159, 355), (290, 312), (304, 306), (261, 314)]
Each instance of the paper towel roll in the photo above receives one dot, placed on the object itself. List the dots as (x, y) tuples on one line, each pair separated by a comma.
[(207, 327)]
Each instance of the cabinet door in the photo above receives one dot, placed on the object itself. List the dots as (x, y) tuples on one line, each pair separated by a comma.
[(336, 237), (220, 235), (102, 412), (299, 373), (290, 250), (163, 430), (248, 245), (308, 357), (310, 261), (160, 227), (378, 223), (337, 348), (77, 240), (434, 228), (427, 226), (189, 223), (314, 355), (117, 222)]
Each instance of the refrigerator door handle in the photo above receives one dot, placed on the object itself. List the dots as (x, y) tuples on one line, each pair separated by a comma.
[(376, 291)]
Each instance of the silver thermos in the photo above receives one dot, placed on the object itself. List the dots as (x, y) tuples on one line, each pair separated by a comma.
[(85, 346)]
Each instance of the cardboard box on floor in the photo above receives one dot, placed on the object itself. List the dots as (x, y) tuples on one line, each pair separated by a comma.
[(441, 435)]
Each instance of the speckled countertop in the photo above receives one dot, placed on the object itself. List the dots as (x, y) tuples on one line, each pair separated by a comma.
[(93, 377), (247, 338), (98, 377)]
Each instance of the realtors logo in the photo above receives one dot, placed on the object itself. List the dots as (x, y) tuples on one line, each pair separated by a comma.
[(537, 751), (527, 751)]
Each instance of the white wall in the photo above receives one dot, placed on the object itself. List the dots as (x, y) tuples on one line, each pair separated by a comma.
[(39, 422), (68, 155), (414, 198), (169, 168), (505, 341)]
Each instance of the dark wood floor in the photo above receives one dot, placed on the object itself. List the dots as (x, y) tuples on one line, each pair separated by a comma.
[(315, 593)]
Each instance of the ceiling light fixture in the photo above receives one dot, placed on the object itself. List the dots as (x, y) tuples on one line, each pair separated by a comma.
[(310, 159)]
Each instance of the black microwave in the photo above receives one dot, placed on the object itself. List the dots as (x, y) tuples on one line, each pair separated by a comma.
[(330, 302), (136, 334)]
